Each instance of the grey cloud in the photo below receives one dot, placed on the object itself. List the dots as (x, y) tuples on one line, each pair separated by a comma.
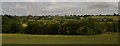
[(36, 8)]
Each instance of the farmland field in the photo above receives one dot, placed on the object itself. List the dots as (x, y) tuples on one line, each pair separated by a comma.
[(59, 23), (107, 38), (113, 17)]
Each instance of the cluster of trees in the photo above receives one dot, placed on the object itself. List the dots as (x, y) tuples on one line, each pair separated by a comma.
[(119, 25), (51, 17), (63, 27), (11, 24)]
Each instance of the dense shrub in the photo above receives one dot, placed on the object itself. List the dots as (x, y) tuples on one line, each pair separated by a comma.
[(89, 27), (34, 28), (5, 24), (69, 27), (53, 28), (110, 26), (10, 25), (15, 27), (119, 25), (64, 27), (42, 28)]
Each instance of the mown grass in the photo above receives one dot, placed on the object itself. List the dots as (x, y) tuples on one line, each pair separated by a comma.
[(108, 38), (113, 17)]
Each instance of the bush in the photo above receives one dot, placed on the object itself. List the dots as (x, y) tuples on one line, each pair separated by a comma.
[(64, 27), (15, 27), (10, 24), (119, 25), (34, 28), (69, 27), (89, 27), (84, 27), (42, 28), (110, 27), (53, 28)]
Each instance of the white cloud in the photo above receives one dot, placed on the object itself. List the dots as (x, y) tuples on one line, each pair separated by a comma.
[(60, 7), (30, 0), (18, 0), (102, 0), (60, 0), (18, 6)]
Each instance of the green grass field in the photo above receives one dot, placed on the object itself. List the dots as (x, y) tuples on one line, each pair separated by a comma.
[(113, 17), (108, 38)]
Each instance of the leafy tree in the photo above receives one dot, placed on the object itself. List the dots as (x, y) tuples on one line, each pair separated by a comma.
[(9, 24), (53, 28), (15, 27), (119, 25), (89, 27)]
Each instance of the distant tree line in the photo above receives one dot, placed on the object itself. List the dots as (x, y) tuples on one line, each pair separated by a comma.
[(12, 24)]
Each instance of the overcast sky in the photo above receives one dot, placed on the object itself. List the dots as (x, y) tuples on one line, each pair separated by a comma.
[(38, 7), (59, 0)]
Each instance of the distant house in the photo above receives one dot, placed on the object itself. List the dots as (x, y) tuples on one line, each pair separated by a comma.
[(30, 17), (36, 17), (104, 19), (81, 17)]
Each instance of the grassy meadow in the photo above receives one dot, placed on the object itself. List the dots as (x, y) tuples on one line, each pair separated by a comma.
[(113, 17), (60, 29), (107, 38)]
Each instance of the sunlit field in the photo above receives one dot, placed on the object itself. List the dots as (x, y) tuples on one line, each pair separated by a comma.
[(107, 38), (113, 17), (60, 23)]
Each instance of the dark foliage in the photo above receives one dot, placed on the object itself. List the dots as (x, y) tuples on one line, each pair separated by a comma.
[(70, 25)]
